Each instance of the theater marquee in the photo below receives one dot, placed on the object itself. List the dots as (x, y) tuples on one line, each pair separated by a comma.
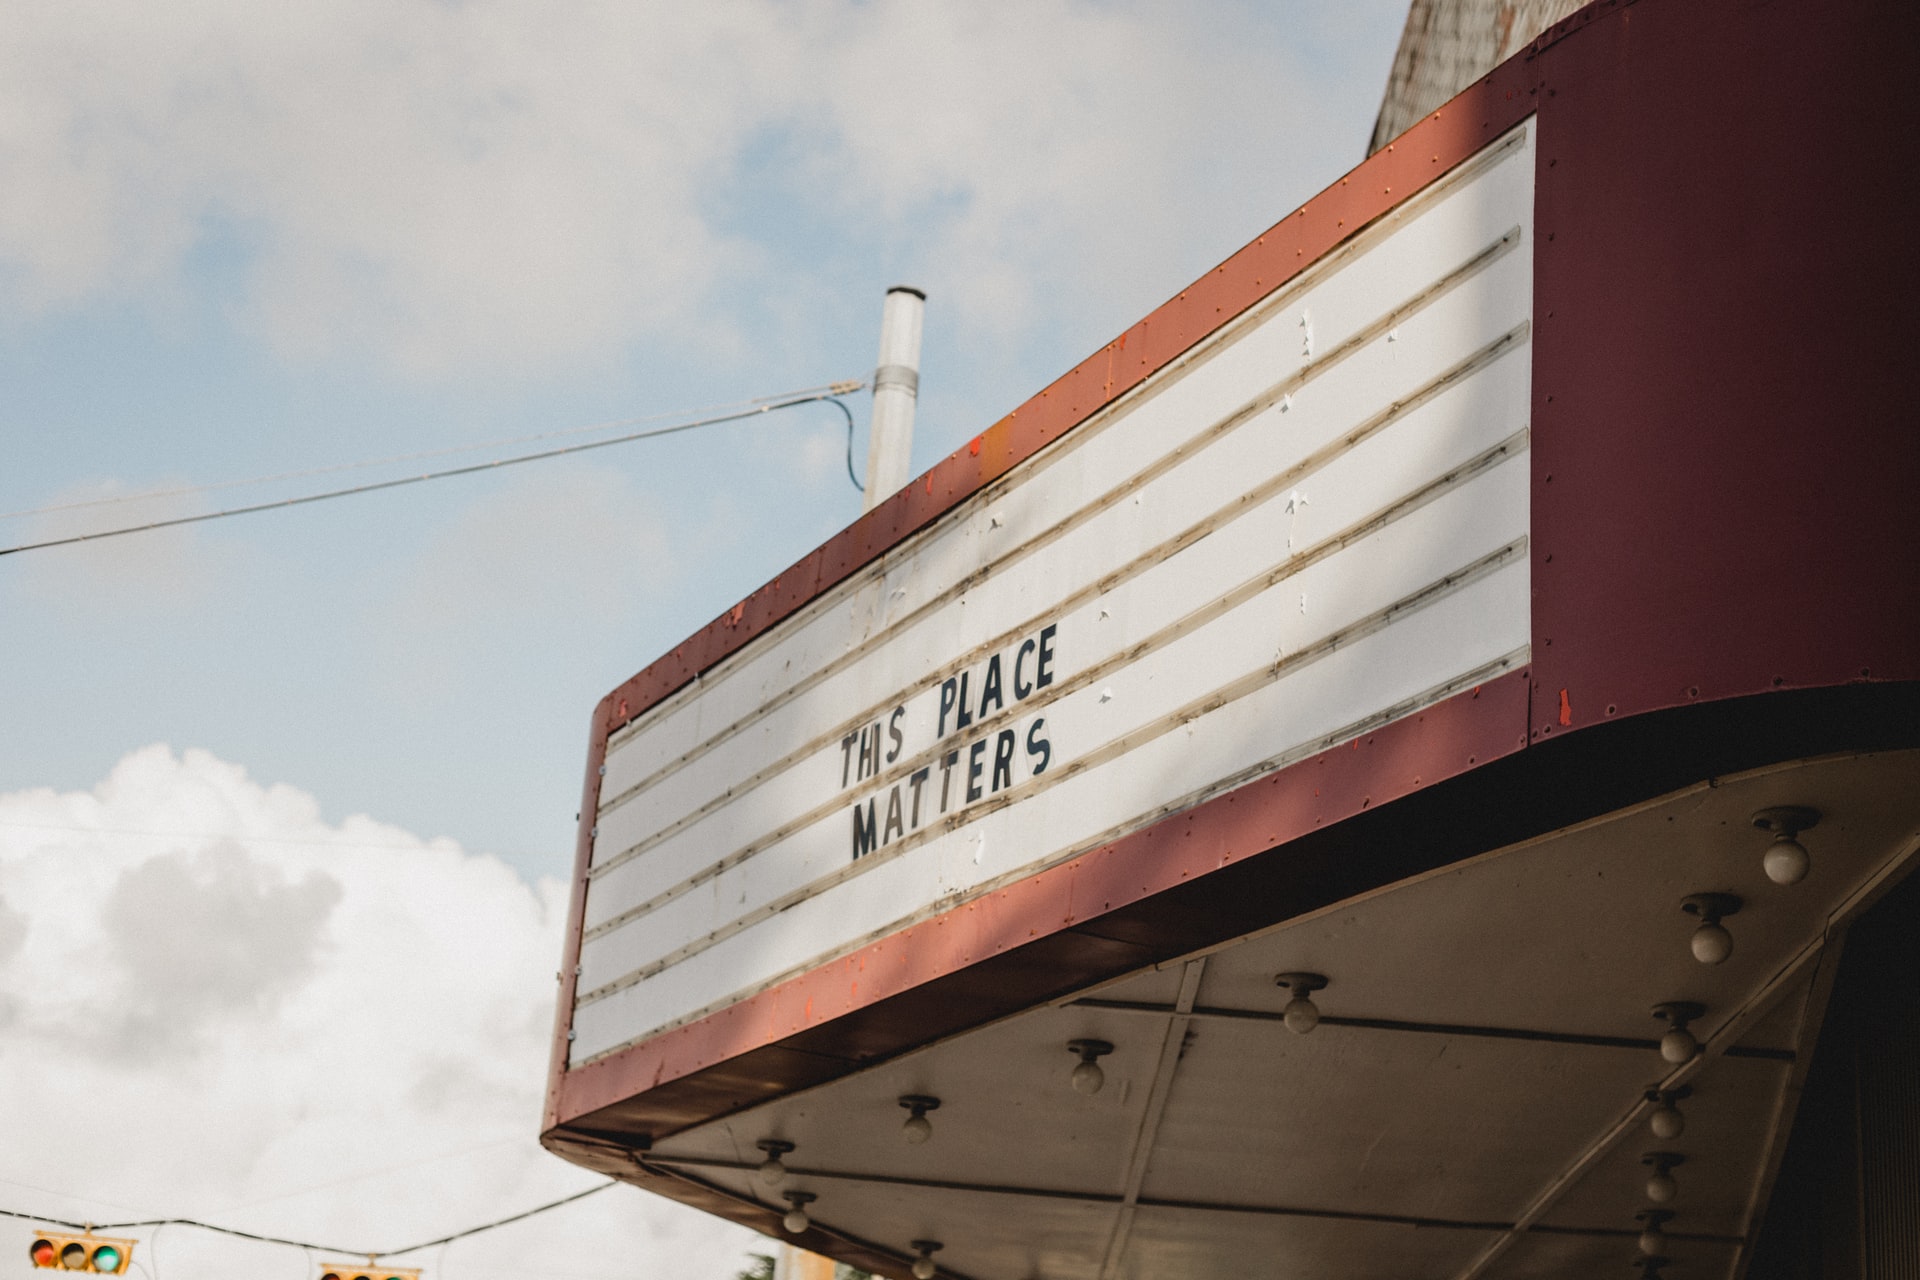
[(1312, 523)]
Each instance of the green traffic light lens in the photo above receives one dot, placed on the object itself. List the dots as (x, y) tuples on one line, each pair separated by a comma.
[(42, 1253), (74, 1257), (106, 1259)]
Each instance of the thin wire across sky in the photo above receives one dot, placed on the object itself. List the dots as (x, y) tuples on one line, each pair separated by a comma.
[(828, 394)]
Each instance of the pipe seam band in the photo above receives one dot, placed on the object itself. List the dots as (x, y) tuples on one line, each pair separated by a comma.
[(903, 376)]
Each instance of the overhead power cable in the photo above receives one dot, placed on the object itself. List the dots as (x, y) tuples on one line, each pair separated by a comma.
[(836, 388), (370, 1254), (830, 396)]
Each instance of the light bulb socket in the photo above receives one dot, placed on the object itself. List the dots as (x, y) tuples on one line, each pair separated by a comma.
[(1785, 860), (923, 1265), (1666, 1119), (1787, 820), (1711, 943), (1088, 1078), (796, 1219), (1660, 1186), (772, 1171), (1301, 1014), (1679, 1044), (918, 1128)]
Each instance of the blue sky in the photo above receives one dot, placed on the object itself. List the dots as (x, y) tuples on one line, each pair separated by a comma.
[(241, 240)]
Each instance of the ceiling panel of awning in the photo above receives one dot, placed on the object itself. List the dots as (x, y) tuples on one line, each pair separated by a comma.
[(1467, 1107)]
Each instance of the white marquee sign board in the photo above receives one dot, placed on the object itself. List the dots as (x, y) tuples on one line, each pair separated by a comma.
[(1313, 522)]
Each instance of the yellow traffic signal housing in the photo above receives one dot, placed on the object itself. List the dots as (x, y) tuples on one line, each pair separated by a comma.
[(367, 1271), (102, 1255)]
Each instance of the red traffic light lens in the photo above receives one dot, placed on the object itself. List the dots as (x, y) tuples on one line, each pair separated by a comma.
[(74, 1257), (42, 1253), (106, 1259)]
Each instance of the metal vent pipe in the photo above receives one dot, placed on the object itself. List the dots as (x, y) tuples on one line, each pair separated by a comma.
[(896, 390)]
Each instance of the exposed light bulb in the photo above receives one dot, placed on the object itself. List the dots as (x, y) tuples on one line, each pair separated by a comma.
[(1301, 1015), (797, 1220), (1786, 861), (1661, 1187), (918, 1128), (923, 1268), (1667, 1122), (1088, 1078), (772, 1172), (1712, 944), (1678, 1046), (1653, 1238)]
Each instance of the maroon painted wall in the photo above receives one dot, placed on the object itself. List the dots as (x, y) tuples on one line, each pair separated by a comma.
[(1726, 451)]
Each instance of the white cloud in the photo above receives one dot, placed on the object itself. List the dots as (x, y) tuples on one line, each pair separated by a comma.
[(450, 187), (215, 1004)]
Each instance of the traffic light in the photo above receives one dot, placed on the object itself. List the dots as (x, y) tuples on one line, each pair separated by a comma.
[(98, 1254), (351, 1271)]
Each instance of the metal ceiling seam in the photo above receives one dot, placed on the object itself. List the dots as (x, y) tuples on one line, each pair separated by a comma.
[(1173, 1047), (660, 1160), (1826, 968), (1207, 1012), (1744, 1015)]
